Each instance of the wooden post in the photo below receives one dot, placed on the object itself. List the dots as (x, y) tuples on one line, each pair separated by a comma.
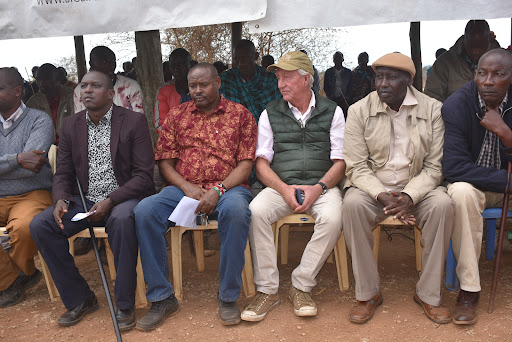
[(414, 36), (81, 66), (149, 72), (236, 36)]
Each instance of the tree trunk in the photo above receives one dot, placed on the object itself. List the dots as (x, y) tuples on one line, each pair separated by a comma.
[(414, 36), (149, 72), (81, 66)]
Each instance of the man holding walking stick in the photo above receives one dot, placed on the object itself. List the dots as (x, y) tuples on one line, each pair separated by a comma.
[(108, 148)]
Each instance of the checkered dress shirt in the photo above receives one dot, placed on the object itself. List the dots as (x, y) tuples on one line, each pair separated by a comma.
[(489, 153)]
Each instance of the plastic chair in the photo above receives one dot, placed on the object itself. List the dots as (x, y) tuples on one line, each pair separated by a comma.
[(490, 215)]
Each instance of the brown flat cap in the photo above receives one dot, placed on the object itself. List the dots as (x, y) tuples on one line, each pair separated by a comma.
[(396, 60)]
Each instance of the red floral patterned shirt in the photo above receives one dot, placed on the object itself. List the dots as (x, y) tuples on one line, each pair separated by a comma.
[(207, 147)]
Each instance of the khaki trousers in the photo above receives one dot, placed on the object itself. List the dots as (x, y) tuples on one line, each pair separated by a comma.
[(16, 213), (267, 208), (434, 216), (469, 203)]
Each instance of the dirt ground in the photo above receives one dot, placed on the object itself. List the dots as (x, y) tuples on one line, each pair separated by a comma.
[(399, 318)]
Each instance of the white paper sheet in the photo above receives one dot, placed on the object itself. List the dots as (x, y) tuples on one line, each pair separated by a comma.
[(184, 213), (81, 216)]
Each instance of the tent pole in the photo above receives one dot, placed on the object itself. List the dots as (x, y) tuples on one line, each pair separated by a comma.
[(236, 36), (81, 66), (414, 36)]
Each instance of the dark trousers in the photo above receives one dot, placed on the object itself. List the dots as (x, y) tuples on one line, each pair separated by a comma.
[(53, 244)]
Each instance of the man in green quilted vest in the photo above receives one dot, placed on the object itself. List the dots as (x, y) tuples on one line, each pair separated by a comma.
[(300, 147), (393, 150)]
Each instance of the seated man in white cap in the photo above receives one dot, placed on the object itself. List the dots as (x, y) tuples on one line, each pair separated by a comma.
[(393, 150), (300, 147)]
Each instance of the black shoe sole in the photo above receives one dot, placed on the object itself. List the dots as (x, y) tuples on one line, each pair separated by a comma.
[(127, 327), (76, 321), (149, 328), (227, 323)]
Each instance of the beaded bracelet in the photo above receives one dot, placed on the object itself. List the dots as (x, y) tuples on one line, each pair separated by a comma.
[(220, 188)]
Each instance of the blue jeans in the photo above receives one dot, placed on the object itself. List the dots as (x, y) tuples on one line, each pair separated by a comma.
[(234, 216)]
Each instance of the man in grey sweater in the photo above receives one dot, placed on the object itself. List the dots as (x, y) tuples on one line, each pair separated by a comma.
[(25, 184)]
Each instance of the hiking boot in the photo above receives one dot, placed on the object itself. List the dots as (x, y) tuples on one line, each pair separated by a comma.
[(14, 293), (258, 308), (229, 312), (303, 304), (158, 312)]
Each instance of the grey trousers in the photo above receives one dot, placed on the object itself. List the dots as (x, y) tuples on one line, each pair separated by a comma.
[(434, 216)]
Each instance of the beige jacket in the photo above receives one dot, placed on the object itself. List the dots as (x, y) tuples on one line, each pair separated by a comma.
[(367, 139)]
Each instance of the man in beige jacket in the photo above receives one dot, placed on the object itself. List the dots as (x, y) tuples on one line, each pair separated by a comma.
[(393, 151)]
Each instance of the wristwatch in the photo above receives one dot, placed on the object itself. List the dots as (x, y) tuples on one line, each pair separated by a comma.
[(66, 201), (324, 188)]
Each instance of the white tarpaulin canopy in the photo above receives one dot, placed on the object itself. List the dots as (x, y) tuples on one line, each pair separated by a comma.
[(292, 14), (52, 18)]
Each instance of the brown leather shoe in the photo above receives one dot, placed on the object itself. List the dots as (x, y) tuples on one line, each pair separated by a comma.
[(363, 311), (437, 314), (464, 311)]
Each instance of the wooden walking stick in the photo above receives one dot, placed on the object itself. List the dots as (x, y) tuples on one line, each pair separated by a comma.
[(497, 260)]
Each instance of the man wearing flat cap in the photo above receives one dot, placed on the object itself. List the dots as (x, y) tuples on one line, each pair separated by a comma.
[(393, 151), (300, 147)]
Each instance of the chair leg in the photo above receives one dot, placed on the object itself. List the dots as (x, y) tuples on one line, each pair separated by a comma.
[(451, 281), (140, 293), (418, 247), (110, 259), (340, 253), (490, 238), (71, 242), (376, 239), (248, 274), (176, 233), (52, 289), (285, 237), (199, 249)]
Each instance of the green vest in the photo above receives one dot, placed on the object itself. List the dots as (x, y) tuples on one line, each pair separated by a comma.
[(301, 155)]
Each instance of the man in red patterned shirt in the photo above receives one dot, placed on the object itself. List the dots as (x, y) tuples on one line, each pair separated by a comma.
[(206, 152)]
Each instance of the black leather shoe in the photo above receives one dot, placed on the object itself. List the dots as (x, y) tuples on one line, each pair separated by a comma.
[(228, 312), (75, 315), (465, 308), (14, 293), (157, 313), (125, 319)]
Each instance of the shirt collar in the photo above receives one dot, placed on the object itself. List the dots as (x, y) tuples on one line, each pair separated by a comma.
[(483, 106), (107, 118), (220, 107), (409, 100), (312, 104), (14, 116)]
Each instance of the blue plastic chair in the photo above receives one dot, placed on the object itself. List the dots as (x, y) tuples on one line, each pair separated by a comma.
[(490, 215)]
